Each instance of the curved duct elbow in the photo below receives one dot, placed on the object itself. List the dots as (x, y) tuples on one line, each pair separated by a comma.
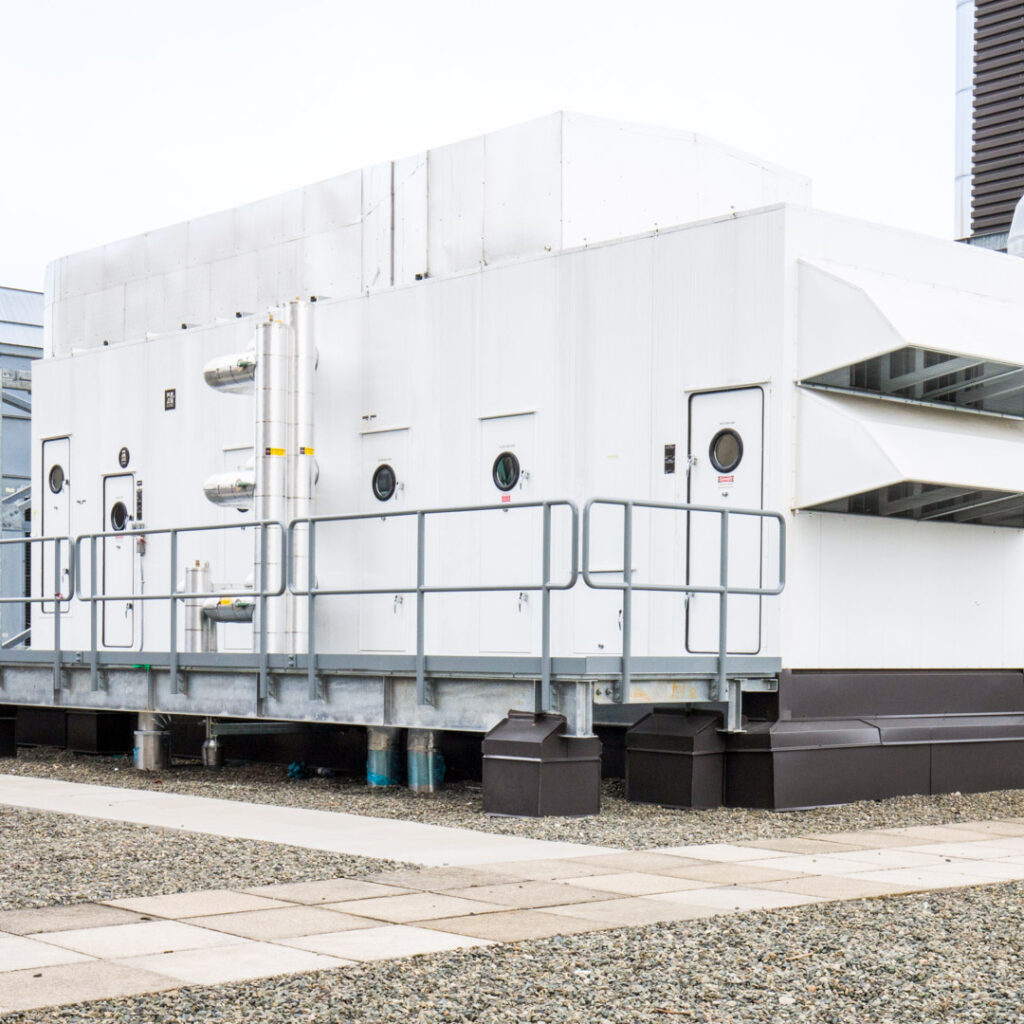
[(232, 374), (229, 609), (234, 489)]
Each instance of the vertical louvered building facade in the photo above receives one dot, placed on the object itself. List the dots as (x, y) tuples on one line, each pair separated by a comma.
[(990, 117)]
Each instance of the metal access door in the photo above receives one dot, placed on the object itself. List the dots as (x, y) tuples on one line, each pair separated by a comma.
[(726, 468), (509, 540), (118, 559), (56, 516)]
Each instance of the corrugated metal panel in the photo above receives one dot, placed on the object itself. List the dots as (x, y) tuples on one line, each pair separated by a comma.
[(998, 151), (21, 307)]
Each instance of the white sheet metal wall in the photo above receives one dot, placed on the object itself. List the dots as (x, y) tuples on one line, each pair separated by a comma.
[(585, 361), (553, 183)]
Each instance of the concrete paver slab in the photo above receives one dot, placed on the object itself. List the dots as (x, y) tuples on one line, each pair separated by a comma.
[(812, 864), (388, 942), (512, 925), (995, 828), (834, 887), (639, 861), (987, 850), (126, 940), (286, 923), (731, 898), (872, 839), (75, 983), (933, 834), (723, 852), (917, 879), (17, 952), (798, 844), (549, 870), (197, 904), (634, 911), (241, 962), (530, 895), (329, 891), (417, 906), (634, 883), (442, 879), (890, 858), (55, 919), (733, 874)]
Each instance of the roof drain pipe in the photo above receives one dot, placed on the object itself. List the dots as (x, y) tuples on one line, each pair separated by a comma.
[(271, 444)]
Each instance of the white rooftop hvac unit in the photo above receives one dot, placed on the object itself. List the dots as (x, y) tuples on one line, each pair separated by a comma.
[(491, 348)]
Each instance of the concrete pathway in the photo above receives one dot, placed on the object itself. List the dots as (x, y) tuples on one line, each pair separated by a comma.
[(355, 834), (66, 954)]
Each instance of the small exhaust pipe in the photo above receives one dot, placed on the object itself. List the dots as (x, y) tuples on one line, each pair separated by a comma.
[(234, 374), (234, 489)]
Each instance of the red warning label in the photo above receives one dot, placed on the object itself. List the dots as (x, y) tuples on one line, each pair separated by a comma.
[(726, 479)]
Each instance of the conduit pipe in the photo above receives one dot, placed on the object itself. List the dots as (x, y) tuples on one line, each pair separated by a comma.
[(233, 489), (271, 448)]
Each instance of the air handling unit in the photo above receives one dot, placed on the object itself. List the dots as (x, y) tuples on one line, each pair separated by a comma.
[(574, 423)]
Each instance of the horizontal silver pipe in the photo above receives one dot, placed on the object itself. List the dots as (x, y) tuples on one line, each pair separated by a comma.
[(229, 609), (235, 488), (235, 374)]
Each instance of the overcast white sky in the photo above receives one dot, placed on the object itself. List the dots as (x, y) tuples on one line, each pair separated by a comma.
[(119, 117)]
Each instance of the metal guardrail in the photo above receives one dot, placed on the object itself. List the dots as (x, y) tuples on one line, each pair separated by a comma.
[(58, 596), (74, 586), (725, 687), (173, 596), (311, 590)]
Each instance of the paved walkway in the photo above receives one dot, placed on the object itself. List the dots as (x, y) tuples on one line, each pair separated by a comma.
[(355, 834), (124, 947)]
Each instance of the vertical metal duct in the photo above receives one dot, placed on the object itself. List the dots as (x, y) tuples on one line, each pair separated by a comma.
[(271, 446), (301, 464)]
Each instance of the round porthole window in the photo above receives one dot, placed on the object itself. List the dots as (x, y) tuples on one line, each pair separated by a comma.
[(57, 479), (505, 471), (383, 482), (119, 516), (726, 450)]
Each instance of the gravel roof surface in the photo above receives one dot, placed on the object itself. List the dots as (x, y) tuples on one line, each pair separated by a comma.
[(948, 957), (620, 824), (47, 859)]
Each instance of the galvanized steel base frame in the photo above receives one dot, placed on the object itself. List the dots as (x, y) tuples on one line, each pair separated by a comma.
[(418, 691)]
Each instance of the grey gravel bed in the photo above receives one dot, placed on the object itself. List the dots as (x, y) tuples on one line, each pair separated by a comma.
[(620, 824), (48, 859), (940, 957)]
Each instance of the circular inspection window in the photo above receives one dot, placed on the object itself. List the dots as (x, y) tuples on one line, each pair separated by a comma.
[(383, 482), (726, 450), (57, 479), (505, 471), (118, 516)]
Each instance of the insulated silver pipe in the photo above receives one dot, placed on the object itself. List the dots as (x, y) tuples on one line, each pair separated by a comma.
[(233, 489), (271, 444), (229, 609), (200, 632), (302, 464), (234, 374)]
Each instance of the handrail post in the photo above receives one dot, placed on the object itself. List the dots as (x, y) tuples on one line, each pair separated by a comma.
[(627, 601), (94, 668), (545, 635), (314, 687), (723, 603), (422, 696), (173, 645), (262, 686), (56, 617)]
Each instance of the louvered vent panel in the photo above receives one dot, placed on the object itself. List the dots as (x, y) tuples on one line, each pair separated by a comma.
[(998, 180)]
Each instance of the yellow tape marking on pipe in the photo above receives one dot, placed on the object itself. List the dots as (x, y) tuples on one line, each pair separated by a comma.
[(225, 600), (306, 451), (275, 451)]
